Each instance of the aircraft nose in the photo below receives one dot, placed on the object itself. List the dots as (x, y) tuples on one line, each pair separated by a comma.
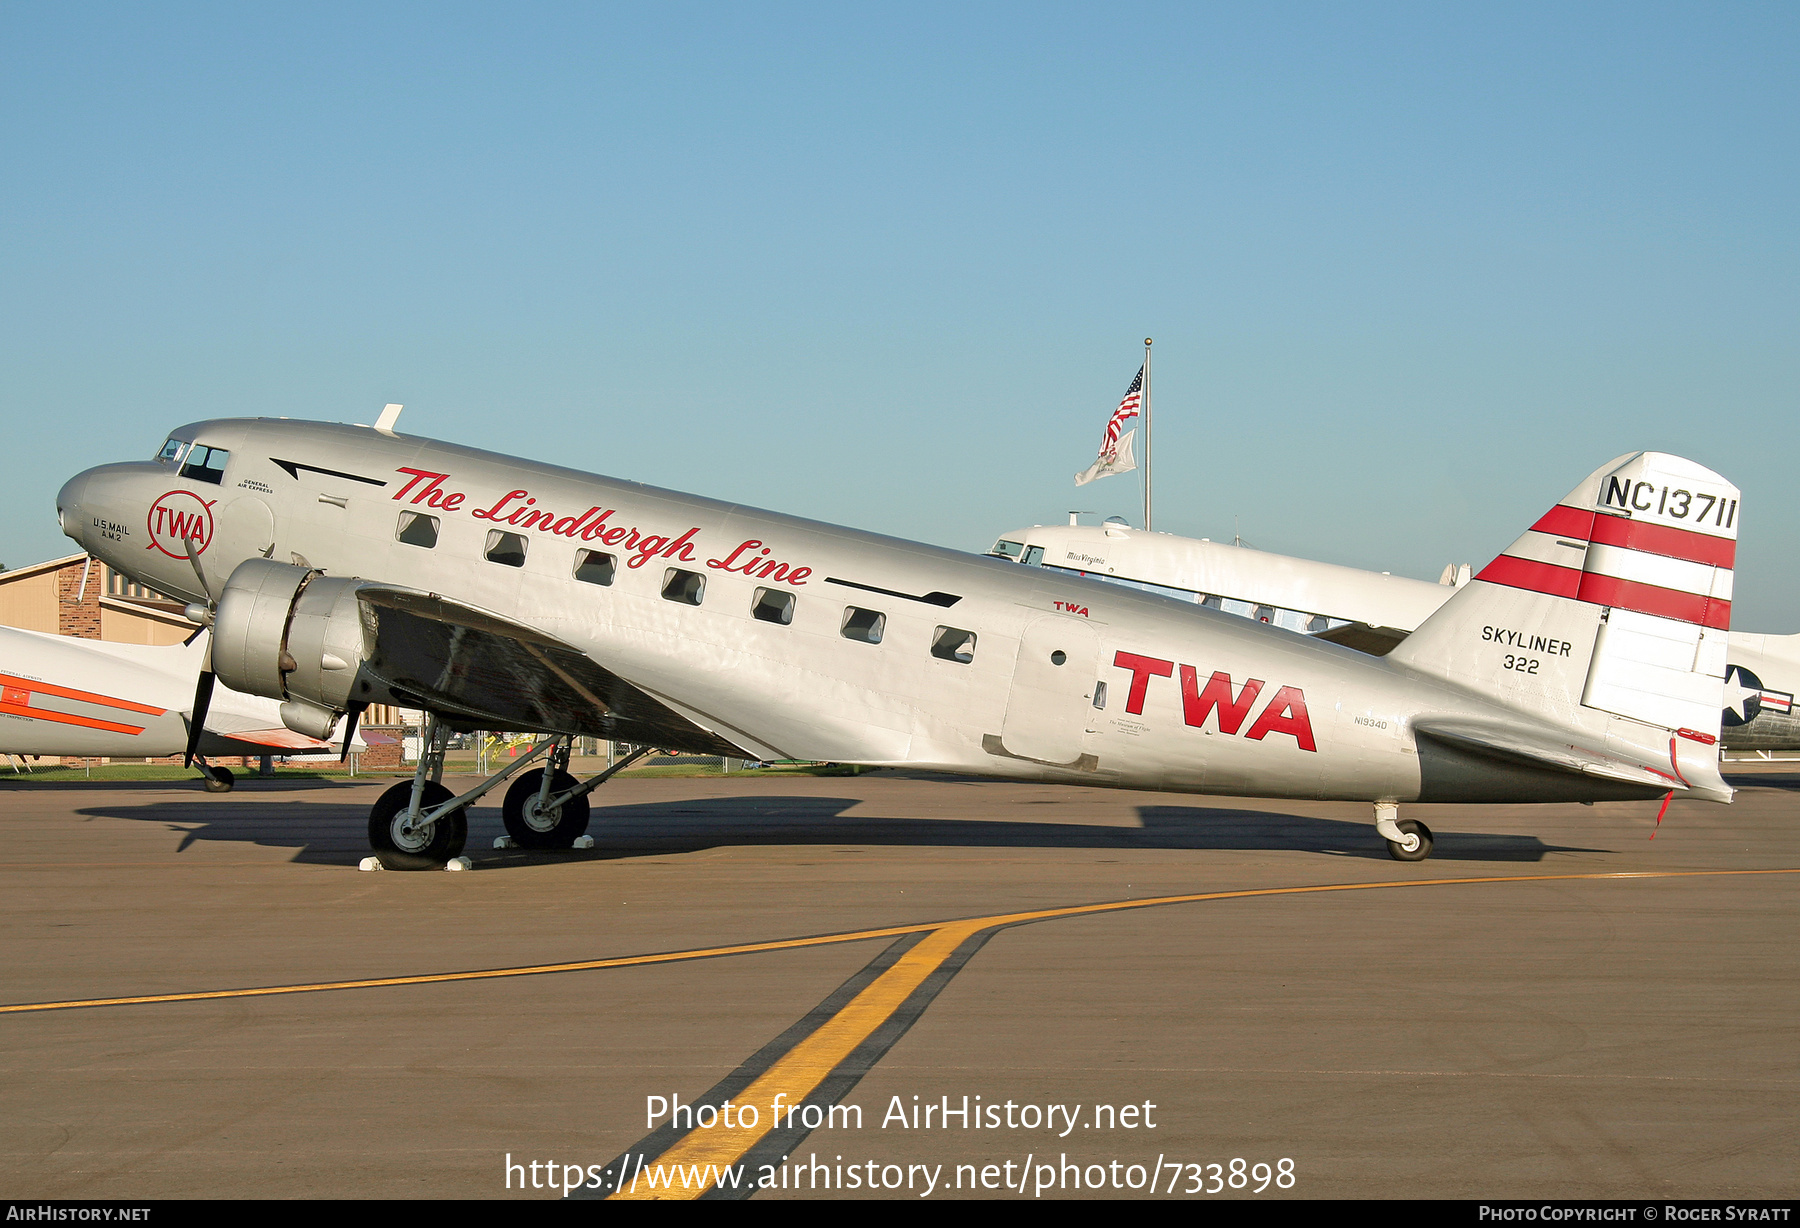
[(69, 502)]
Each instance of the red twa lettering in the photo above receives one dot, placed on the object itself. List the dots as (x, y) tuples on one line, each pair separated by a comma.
[(1286, 713), (1141, 669), (1196, 703)]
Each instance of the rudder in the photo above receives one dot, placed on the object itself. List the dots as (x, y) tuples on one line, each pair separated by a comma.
[(1608, 616)]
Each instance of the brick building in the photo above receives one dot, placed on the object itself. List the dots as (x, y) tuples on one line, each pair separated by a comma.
[(84, 598)]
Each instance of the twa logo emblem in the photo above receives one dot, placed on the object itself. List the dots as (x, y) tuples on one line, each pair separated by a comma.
[(177, 515)]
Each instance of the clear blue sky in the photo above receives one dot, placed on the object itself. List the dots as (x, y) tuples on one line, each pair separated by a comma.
[(1413, 271)]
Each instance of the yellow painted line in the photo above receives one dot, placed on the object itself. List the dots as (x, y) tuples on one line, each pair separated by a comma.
[(485, 974), (788, 944), (808, 1064)]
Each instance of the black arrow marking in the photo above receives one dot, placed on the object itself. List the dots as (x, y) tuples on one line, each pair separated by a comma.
[(941, 599), (294, 467)]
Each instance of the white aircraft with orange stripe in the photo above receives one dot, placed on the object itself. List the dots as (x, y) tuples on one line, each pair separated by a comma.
[(65, 696), (476, 587)]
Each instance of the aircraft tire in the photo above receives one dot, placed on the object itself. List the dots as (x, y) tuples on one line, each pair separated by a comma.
[(401, 852), (554, 830), (218, 781), (1412, 827)]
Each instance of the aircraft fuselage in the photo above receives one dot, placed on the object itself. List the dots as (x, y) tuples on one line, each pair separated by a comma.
[(685, 598)]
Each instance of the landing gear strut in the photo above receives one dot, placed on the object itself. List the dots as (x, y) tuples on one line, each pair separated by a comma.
[(214, 779), (547, 808), (421, 826), (403, 841), (1407, 839)]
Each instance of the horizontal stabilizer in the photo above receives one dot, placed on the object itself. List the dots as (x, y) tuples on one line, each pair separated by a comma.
[(1376, 641), (1544, 748)]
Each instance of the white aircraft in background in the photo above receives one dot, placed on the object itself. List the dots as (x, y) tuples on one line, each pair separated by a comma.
[(1372, 612), (60, 695), (341, 566)]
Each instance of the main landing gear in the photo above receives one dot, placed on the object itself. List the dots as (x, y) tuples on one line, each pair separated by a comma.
[(214, 779), (546, 808), (420, 825), (1407, 839)]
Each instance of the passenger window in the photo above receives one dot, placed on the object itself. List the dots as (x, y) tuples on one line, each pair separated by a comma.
[(863, 625), (505, 548), (592, 567), (687, 587), (417, 529), (953, 644), (773, 607), (206, 464)]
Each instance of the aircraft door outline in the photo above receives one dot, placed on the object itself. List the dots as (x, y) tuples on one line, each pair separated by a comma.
[(1050, 705)]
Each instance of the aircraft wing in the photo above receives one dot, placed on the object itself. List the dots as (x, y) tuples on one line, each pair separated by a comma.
[(485, 671), (260, 741)]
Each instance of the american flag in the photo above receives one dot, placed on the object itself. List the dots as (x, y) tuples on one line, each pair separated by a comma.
[(1128, 409)]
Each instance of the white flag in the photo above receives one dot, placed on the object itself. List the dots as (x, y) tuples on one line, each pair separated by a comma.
[(1117, 459)]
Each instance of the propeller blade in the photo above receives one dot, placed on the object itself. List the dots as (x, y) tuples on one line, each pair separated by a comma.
[(203, 690), (193, 557), (197, 720), (350, 716)]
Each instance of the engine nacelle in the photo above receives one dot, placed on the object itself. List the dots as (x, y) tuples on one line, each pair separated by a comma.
[(294, 634)]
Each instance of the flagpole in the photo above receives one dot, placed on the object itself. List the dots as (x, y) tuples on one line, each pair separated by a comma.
[(1146, 434)]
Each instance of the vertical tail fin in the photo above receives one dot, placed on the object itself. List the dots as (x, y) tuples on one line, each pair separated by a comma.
[(1608, 616)]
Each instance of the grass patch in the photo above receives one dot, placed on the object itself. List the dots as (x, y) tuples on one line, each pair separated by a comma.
[(45, 774), (786, 769)]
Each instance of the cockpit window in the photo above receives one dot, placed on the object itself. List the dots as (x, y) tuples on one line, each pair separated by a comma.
[(171, 451), (205, 464), (1008, 550)]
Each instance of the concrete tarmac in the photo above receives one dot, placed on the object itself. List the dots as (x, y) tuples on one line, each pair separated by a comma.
[(1552, 1034)]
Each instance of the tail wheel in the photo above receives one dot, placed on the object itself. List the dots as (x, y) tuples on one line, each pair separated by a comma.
[(402, 848), (218, 780), (535, 827), (1417, 844)]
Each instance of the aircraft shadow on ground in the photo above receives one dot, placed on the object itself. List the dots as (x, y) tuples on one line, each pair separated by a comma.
[(338, 835), (1764, 780)]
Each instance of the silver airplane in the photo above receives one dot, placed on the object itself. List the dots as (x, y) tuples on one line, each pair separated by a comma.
[(346, 565)]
